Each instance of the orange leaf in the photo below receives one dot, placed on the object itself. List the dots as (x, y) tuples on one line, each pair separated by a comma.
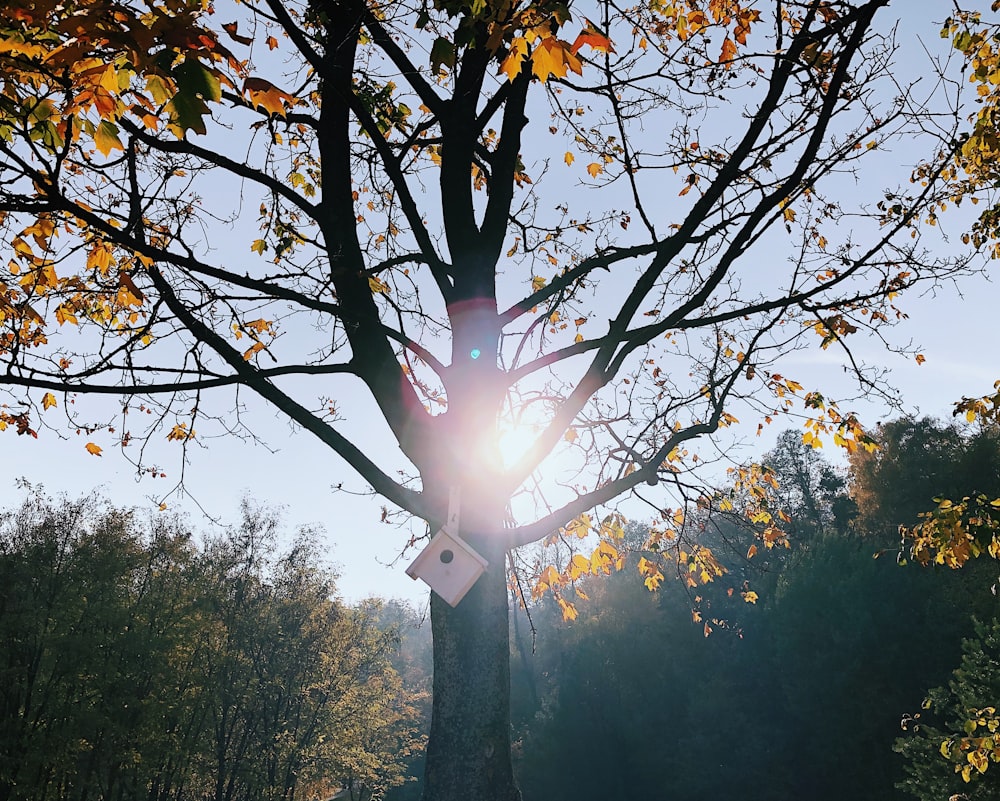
[(253, 350), (728, 53), (231, 28), (593, 37), (595, 169), (48, 400), (125, 281), (93, 449), (264, 94)]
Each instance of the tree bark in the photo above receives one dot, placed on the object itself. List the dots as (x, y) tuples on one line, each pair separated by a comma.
[(468, 752)]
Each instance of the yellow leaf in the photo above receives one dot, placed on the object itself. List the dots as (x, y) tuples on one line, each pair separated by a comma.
[(511, 66), (110, 81), (750, 597), (554, 57), (106, 138), (578, 566), (180, 433), (99, 258), (93, 449), (159, 88), (537, 283), (789, 214), (579, 526), (569, 157), (378, 285), (48, 400), (595, 169), (568, 610), (548, 579), (570, 435)]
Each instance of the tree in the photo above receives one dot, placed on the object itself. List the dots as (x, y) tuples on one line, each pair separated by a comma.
[(835, 649), (923, 465), (950, 746), (417, 248), (810, 490), (916, 461)]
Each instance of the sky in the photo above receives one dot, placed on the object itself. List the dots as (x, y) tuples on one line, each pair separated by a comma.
[(954, 327)]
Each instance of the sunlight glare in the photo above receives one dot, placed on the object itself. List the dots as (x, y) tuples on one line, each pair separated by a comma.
[(514, 440)]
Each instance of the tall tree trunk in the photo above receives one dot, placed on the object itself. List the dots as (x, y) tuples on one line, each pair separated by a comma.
[(468, 752)]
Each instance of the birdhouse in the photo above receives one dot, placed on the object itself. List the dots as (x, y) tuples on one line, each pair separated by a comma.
[(448, 565)]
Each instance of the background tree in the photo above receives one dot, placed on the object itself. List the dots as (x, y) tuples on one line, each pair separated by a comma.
[(920, 463), (137, 665), (809, 488), (916, 462), (416, 248), (816, 675)]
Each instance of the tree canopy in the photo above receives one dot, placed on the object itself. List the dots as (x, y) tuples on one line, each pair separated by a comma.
[(424, 257), (121, 129)]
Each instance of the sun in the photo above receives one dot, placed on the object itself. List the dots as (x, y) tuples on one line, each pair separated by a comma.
[(514, 440)]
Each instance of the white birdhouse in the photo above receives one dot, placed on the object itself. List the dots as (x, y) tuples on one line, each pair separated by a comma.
[(448, 565)]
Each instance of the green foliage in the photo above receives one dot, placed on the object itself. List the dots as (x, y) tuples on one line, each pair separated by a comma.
[(950, 746), (135, 664), (917, 462)]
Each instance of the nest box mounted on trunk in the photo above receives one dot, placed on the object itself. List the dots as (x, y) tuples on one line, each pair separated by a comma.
[(448, 565)]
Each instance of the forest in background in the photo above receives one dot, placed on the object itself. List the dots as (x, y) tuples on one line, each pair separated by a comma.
[(139, 661)]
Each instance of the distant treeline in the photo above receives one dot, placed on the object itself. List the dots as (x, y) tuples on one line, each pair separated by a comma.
[(137, 664)]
